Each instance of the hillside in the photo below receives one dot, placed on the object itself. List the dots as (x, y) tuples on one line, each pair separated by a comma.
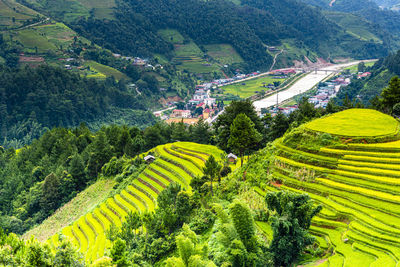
[(368, 10), (368, 88), (347, 163), (175, 163), (113, 25)]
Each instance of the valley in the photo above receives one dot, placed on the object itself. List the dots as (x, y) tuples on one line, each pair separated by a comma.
[(188, 133)]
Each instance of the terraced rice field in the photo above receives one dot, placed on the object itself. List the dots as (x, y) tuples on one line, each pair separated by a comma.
[(359, 188), (177, 162)]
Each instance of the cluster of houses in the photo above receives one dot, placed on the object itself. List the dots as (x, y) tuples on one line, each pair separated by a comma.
[(201, 99), (324, 93)]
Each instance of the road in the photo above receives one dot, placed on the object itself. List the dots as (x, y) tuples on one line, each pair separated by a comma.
[(304, 84)]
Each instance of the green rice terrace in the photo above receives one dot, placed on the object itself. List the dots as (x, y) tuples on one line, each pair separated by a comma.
[(176, 162), (357, 181)]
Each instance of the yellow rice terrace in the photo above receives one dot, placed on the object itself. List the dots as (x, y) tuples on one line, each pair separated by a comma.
[(357, 123), (358, 184)]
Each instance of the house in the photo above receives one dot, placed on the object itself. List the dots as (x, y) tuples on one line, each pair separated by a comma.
[(149, 158), (232, 158), (209, 101), (179, 113)]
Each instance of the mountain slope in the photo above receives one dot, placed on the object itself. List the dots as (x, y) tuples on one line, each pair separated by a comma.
[(356, 183), (248, 26), (175, 163)]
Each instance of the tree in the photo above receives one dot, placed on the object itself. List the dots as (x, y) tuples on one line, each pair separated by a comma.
[(361, 67), (279, 125), (77, 171), (391, 94), (290, 222), (50, 196), (118, 253), (67, 255), (201, 132), (396, 110), (211, 170), (224, 121), (191, 252), (243, 136)]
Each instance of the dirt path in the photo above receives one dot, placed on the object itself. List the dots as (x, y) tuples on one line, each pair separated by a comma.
[(275, 57)]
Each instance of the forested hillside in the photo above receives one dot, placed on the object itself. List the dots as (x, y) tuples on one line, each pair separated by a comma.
[(368, 89), (368, 10), (33, 100), (248, 27)]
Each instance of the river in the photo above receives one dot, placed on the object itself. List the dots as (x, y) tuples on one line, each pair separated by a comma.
[(302, 85)]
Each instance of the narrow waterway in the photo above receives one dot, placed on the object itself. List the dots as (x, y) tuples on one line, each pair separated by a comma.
[(304, 84)]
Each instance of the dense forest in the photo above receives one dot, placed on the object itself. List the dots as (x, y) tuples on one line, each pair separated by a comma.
[(33, 99)]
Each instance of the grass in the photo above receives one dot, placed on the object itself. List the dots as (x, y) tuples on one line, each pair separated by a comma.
[(49, 37), (171, 35), (31, 38), (354, 26), (354, 68), (83, 203), (10, 9), (250, 87), (223, 53), (188, 56), (356, 123), (102, 71)]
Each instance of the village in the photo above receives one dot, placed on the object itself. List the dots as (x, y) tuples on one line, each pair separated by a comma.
[(324, 92)]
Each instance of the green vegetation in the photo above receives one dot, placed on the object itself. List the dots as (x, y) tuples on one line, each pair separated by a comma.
[(14, 15), (351, 181), (356, 123), (70, 212), (250, 87), (223, 53), (103, 71), (356, 26), (56, 97)]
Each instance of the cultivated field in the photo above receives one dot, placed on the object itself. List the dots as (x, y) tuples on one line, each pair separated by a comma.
[(250, 87), (14, 15), (101, 71), (357, 184), (356, 123), (177, 162), (223, 53)]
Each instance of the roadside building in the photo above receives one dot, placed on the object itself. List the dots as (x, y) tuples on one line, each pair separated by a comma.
[(180, 113)]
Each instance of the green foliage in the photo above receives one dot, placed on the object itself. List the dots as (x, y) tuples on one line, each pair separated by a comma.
[(235, 242), (211, 170), (243, 135), (222, 125), (118, 253), (292, 218), (391, 94), (17, 252), (191, 252), (33, 99)]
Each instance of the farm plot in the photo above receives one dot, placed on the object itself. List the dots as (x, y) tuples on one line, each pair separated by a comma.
[(177, 162), (358, 184)]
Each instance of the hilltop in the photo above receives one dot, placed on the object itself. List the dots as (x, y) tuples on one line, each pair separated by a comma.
[(347, 163)]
